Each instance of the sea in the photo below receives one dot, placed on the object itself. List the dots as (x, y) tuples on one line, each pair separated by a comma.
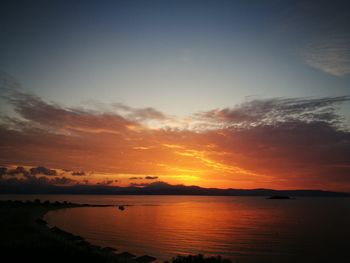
[(243, 229)]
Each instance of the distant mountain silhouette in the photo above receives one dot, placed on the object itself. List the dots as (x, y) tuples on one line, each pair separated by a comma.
[(156, 188)]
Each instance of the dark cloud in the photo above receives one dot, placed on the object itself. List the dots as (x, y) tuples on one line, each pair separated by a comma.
[(30, 179), (62, 181), (18, 170), (136, 178), (138, 184), (151, 177), (55, 118), (41, 180), (78, 173), (293, 152), (43, 170), (271, 111)]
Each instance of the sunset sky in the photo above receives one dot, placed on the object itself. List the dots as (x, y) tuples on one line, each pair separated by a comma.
[(241, 94)]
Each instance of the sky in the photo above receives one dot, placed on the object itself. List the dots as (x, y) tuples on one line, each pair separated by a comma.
[(242, 94)]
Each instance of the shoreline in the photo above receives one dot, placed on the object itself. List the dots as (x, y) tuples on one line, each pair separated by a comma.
[(25, 230), (25, 235), (81, 241)]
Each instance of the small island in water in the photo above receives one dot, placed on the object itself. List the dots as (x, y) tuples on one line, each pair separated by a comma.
[(280, 197)]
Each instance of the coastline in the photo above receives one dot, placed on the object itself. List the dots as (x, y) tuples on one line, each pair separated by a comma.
[(25, 235)]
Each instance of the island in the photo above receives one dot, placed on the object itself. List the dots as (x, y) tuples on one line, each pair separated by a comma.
[(280, 197)]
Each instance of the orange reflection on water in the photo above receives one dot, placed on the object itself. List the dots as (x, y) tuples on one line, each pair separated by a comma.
[(251, 229)]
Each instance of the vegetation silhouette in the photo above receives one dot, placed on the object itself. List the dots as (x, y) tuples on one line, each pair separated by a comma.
[(145, 259), (199, 259)]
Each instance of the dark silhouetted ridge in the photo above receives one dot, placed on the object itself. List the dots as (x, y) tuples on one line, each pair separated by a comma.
[(156, 188)]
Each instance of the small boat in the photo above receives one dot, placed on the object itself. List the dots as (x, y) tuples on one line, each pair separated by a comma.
[(121, 207)]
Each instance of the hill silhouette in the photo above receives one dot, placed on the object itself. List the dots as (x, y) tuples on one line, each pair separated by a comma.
[(155, 188)]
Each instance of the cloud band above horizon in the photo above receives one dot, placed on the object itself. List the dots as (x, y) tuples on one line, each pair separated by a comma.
[(272, 143)]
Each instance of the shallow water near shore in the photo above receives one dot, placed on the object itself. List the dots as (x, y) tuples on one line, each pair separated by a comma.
[(246, 229)]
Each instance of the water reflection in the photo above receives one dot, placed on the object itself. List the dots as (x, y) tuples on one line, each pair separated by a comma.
[(245, 229)]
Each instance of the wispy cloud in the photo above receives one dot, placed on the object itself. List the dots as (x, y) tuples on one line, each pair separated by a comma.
[(330, 54), (319, 34), (275, 111), (139, 114)]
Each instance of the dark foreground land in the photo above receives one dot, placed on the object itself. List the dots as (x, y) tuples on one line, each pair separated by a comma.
[(25, 237)]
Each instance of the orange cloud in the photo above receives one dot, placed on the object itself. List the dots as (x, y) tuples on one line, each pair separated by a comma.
[(276, 143)]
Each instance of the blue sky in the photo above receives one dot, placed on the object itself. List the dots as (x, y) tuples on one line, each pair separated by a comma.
[(177, 56)]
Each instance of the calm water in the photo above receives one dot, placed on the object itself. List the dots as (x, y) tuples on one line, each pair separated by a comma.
[(246, 229)]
